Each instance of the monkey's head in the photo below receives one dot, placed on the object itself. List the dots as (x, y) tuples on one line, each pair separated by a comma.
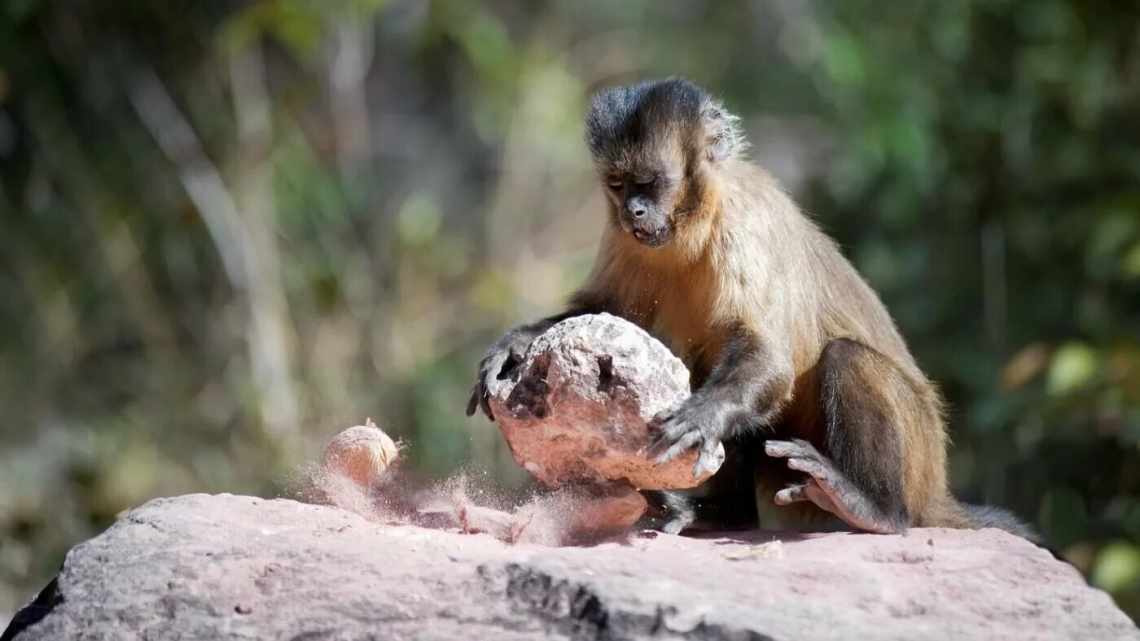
[(655, 145)]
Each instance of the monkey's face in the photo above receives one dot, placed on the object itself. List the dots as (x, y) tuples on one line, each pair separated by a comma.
[(642, 201), (652, 144)]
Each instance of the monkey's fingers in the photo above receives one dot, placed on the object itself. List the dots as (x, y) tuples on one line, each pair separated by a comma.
[(480, 398), (473, 402), (710, 459), (656, 429), (688, 441), (666, 432), (485, 402), (660, 437)]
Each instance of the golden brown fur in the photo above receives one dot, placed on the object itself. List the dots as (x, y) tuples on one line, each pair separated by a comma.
[(784, 339), (750, 256)]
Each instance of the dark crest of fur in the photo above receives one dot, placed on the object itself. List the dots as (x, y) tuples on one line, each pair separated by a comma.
[(636, 116)]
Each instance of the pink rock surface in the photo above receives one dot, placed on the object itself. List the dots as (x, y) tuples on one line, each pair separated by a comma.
[(238, 567), (579, 406)]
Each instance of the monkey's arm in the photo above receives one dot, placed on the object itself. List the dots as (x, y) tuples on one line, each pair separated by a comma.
[(507, 352), (748, 388)]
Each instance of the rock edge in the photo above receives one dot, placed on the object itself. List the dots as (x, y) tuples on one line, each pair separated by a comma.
[(239, 567)]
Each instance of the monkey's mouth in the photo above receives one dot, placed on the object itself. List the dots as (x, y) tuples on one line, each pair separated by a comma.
[(651, 238)]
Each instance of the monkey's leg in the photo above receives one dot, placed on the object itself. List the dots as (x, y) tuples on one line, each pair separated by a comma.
[(866, 400)]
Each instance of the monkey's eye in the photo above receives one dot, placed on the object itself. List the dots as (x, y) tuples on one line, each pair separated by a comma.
[(614, 183), (643, 181)]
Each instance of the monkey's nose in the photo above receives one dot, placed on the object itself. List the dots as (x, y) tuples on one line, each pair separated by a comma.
[(638, 212)]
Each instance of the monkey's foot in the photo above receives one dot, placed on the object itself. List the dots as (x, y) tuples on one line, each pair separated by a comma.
[(679, 515), (829, 489)]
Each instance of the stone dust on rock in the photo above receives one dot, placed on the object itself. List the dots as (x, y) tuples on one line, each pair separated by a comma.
[(578, 415), (769, 550), (358, 476)]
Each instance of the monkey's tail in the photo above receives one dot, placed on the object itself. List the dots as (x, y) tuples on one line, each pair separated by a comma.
[(981, 516), (672, 511), (954, 513)]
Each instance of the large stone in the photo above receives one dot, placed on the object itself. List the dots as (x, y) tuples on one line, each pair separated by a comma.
[(578, 407), (237, 567)]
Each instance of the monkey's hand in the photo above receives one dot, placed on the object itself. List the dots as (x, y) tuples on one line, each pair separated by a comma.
[(701, 423), (499, 362)]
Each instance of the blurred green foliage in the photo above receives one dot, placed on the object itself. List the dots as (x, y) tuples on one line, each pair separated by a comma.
[(989, 184), (233, 228)]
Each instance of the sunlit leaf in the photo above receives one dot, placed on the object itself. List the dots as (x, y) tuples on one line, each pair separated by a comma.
[(419, 220), (1113, 228), (1130, 263), (1074, 365), (295, 24), (843, 59), (1117, 567)]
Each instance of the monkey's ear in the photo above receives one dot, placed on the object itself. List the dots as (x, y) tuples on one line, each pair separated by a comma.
[(723, 137)]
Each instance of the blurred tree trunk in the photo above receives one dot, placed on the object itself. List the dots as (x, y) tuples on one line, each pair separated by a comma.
[(240, 223), (270, 334)]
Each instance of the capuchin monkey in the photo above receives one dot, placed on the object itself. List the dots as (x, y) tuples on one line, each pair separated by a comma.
[(796, 365)]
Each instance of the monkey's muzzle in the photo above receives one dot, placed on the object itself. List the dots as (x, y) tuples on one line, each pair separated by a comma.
[(652, 238), (645, 223)]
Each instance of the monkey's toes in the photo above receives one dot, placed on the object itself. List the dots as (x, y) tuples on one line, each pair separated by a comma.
[(813, 467), (788, 449), (793, 494)]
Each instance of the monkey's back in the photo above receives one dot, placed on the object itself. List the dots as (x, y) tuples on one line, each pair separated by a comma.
[(778, 266)]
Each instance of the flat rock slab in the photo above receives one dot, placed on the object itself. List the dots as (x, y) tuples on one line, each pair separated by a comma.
[(237, 567)]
